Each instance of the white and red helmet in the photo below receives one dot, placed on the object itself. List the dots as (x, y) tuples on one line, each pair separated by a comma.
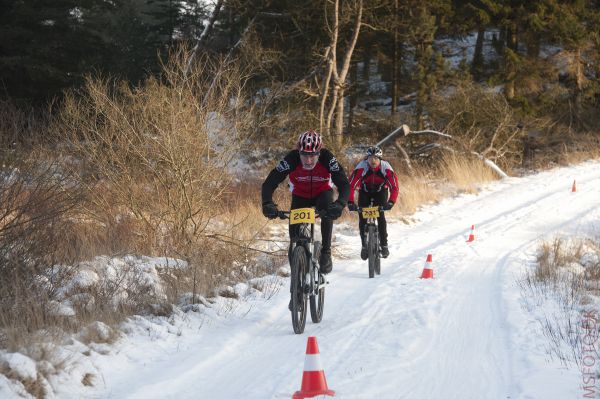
[(310, 142)]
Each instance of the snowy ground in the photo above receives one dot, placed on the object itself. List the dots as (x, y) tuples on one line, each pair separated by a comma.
[(464, 334)]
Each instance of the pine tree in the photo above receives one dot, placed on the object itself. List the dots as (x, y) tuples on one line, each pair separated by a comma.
[(576, 27), (44, 46), (474, 15), (49, 45), (425, 18)]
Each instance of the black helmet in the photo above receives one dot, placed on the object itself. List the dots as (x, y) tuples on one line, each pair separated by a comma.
[(374, 151)]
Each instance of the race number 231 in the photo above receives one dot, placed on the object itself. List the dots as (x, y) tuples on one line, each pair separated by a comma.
[(370, 213)]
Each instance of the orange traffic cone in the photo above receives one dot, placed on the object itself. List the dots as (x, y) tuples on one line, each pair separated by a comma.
[(574, 188), (427, 270), (472, 235), (313, 378)]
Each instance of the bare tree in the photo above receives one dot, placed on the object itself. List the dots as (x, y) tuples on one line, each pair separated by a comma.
[(336, 74), (204, 36)]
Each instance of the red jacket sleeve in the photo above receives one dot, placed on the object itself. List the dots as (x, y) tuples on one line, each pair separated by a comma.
[(392, 180), (354, 182)]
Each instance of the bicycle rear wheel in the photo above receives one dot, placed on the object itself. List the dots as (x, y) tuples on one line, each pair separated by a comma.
[(299, 268), (317, 301), (372, 247)]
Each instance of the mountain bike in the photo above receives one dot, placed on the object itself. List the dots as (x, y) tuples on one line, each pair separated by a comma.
[(370, 214), (307, 284)]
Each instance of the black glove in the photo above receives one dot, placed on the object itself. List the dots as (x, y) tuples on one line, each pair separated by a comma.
[(352, 206), (388, 206), (334, 210), (270, 210)]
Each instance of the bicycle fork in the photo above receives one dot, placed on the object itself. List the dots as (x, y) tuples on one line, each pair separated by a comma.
[(311, 278)]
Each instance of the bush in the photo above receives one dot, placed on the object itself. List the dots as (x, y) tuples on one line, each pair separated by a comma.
[(482, 120), (36, 202), (156, 159)]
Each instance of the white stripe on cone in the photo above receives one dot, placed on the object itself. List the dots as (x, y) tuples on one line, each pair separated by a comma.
[(312, 363)]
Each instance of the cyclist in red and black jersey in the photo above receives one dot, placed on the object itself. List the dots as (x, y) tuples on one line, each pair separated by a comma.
[(373, 177), (312, 171)]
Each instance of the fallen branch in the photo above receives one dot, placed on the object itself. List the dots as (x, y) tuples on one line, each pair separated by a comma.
[(404, 131)]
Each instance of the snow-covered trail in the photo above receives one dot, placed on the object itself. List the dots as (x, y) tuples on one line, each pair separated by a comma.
[(395, 336)]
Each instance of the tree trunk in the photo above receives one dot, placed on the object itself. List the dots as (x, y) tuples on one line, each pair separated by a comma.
[(579, 81), (477, 64), (395, 62), (421, 52), (353, 95), (339, 118), (337, 78), (511, 43), (325, 92), (511, 37), (204, 36), (339, 127), (366, 73), (502, 38), (509, 89), (231, 27), (332, 73), (533, 45)]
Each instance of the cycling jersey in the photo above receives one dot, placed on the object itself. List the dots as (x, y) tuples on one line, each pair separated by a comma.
[(308, 184), (374, 180)]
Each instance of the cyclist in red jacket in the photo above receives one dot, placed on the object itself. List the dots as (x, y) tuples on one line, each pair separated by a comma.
[(312, 171), (373, 177)]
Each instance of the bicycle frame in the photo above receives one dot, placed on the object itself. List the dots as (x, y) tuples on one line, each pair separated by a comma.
[(312, 283), (372, 228), (370, 221), (311, 247)]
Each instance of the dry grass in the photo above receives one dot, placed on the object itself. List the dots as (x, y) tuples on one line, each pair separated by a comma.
[(467, 174), (416, 191), (453, 175), (566, 273), (559, 145), (88, 380), (555, 256), (578, 149)]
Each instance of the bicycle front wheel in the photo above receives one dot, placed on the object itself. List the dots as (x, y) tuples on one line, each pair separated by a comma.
[(372, 247), (378, 254), (299, 267), (378, 264), (317, 297)]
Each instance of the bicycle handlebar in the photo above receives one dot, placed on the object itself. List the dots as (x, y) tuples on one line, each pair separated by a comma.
[(359, 209)]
